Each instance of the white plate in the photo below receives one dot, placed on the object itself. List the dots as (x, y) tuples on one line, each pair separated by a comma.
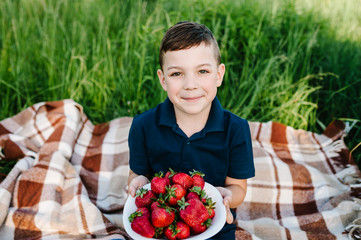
[(217, 222)]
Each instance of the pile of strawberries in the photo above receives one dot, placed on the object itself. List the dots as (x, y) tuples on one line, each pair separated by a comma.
[(175, 207)]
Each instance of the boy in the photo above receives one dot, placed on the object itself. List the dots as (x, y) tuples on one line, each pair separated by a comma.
[(190, 130)]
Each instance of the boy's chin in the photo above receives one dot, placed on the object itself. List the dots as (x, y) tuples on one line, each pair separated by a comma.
[(195, 110)]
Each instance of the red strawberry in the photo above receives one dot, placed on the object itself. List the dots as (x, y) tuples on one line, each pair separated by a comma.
[(171, 232), (157, 202), (198, 229), (201, 227), (168, 176), (183, 229), (198, 179), (175, 193), (141, 224), (192, 195), (154, 205), (212, 213), (162, 216), (196, 191), (178, 230), (167, 181), (158, 183), (183, 179), (192, 212), (144, 211), (210, 206), (144, 198)]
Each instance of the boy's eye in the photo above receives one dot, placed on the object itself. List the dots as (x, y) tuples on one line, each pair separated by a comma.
[(176, 74), (203, 71)]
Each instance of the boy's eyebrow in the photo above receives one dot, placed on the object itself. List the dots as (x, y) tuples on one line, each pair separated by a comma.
[(200, 65), (171, 67), (205, 64)]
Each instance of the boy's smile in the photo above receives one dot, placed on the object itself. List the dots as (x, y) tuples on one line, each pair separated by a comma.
[(191, 77)]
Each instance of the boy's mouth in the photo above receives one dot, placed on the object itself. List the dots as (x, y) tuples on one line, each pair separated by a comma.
[(191, 99)]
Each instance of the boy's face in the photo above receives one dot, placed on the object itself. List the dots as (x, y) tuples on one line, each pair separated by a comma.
[(191, 77)]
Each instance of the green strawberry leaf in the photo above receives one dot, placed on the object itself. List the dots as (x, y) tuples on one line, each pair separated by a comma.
[(160, 174), (195, 172), (134, 215), (172, 172), (141, 192), (182, 203)]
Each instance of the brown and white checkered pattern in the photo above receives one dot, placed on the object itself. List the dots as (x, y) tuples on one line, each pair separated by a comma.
[(70, 179), (70, 174), (296, 193)]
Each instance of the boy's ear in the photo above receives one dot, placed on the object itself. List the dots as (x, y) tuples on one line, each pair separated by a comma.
[(220, 74), (162, 79)]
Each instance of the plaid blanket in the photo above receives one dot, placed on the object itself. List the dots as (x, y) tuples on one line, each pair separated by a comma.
[(70, 179)]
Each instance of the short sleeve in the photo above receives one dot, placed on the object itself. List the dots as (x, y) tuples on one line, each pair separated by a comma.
[(138, 160), (241, 164)]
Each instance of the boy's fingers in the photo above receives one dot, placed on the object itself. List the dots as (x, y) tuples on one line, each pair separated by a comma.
[(140, 181), (136, 183), (229, 216), (224, 192), (132, 191), (227, 200)]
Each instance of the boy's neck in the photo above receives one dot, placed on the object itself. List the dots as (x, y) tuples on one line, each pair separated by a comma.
[(191, 124)]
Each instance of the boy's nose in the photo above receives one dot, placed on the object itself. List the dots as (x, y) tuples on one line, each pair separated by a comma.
[(190, 82)]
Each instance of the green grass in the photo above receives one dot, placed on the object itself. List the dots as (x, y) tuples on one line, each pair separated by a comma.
[(295, 62)]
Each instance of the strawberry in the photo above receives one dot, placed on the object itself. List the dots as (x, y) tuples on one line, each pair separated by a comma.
[(167, 180), (175, 193), (198, 191), (211, 213), (183, 230), (197, 179), (192, 211), (210, 207), (171, 232), (192, 195), (154, 205), (197, 229), (144, 211), (157, 202), (177, 230), (141, 224), (168, 176), (158, 183), (144, 198), (183, 179), (162, 216)]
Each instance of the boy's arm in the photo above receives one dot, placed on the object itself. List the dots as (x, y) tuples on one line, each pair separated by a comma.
[(135, 181), (238, 188), (233, 194)]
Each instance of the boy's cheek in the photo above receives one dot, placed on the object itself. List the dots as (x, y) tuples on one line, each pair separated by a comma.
[(164, 86)]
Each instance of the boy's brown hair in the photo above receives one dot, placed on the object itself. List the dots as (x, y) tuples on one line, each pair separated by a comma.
[(184, 35)]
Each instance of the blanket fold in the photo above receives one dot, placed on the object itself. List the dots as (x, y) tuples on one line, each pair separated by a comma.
[(70, 179)]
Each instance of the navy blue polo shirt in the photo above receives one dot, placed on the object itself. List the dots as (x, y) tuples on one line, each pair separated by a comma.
[(223, 148)]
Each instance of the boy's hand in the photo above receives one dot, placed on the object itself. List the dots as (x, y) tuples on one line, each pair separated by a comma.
[(136, 183), (227, 200)]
